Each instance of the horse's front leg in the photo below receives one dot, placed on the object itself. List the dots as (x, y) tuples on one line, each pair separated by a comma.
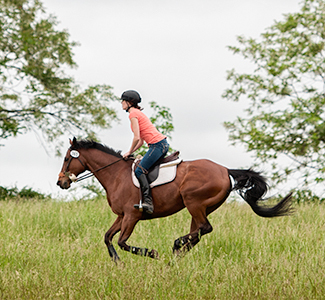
[(128, 225), (115, 228)]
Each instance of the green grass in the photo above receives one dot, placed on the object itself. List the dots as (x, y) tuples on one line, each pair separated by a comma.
[(55, 250)]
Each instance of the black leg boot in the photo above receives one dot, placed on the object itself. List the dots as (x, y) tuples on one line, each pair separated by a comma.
[(146, 195)]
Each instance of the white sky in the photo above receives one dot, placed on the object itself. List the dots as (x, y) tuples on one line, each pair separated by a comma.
[(171, 52)]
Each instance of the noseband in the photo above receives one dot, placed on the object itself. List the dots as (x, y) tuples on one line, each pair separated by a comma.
[(73, 177)]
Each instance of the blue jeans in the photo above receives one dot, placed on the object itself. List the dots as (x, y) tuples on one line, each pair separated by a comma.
[(155, 152)]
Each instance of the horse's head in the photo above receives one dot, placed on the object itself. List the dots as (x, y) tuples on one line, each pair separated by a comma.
[(73, 165)]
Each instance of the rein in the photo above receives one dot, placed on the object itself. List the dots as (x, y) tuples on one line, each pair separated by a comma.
[(92, 174)]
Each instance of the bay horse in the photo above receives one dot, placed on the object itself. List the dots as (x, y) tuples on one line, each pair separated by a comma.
[(200, 185)]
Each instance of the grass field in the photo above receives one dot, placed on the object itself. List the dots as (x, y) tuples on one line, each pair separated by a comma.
[(55, 250)]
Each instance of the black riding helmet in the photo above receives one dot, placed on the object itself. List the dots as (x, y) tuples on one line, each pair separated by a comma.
[(131, 96)]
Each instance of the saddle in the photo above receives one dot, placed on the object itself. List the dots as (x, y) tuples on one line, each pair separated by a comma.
[(163, 171)]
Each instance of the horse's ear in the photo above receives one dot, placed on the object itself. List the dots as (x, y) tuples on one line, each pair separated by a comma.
[(73, 141)]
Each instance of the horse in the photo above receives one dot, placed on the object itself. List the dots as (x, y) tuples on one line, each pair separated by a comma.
[(200, 185)]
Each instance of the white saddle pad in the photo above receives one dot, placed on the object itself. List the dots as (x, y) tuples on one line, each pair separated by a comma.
[(167, 173)]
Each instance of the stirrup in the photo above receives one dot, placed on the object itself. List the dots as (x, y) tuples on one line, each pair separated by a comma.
[(139, 206), (144, 207)]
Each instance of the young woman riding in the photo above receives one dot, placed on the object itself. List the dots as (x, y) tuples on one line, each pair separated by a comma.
[(143, 130)]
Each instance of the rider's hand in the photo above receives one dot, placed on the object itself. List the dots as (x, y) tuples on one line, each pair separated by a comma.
[(126, 155)]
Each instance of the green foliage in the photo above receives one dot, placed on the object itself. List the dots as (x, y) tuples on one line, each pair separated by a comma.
[(35, 91), (307, 196), (162, 119), (24, 193), (284, 95)]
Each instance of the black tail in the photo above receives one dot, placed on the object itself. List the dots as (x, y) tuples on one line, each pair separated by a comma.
[(252, 187)]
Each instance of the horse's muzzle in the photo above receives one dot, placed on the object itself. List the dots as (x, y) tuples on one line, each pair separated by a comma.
[(63, 185), (64, 182)]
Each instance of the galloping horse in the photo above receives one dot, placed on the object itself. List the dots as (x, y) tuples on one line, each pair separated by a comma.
[(200, 185)]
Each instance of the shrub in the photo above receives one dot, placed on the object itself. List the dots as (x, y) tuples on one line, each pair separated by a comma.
[(24, 193)]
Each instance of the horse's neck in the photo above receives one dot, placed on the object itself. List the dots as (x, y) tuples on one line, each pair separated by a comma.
[(106, 167), (97, 159)]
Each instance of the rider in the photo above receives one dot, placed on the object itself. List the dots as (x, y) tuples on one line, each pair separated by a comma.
[(143, 130)]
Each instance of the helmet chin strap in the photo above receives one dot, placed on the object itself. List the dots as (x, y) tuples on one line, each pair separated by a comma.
[(129, 106)]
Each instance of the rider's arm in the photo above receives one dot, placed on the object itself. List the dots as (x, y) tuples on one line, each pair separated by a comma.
[(137, 141)]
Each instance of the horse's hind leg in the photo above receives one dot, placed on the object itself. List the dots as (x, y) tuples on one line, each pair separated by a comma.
[(115, 228), (128, 225), (199, 227)]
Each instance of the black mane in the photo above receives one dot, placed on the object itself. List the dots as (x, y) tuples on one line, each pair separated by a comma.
[(90, 144)]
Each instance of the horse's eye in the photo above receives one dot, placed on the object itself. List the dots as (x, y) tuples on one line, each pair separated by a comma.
[(66, 159)]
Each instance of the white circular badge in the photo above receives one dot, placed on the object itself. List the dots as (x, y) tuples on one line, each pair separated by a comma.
[(74, 153)]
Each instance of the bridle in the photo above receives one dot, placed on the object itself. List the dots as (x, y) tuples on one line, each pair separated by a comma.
[(74, 154)]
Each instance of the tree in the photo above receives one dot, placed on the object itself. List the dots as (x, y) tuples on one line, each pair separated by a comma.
[(35, 91), (285, 96)]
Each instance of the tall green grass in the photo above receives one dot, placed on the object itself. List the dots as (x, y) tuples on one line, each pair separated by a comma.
[(56, 250)]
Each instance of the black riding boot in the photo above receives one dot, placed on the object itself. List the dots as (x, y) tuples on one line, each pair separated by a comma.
[(146, 195)]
